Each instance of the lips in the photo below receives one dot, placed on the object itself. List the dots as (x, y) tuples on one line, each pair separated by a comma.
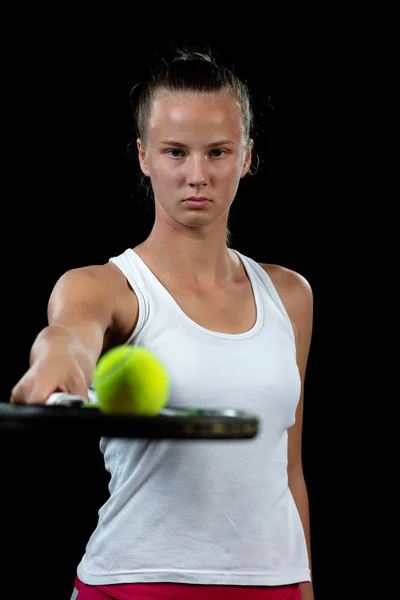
[(196, 201)]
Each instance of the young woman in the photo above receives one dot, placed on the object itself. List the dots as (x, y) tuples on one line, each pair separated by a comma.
[(192, 520)]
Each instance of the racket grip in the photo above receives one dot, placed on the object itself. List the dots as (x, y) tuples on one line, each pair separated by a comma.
[(63, 399)]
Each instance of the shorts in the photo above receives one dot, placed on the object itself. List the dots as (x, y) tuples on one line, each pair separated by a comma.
[(181, 591)]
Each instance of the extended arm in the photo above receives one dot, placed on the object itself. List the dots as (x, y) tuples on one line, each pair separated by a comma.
[(89, 310)]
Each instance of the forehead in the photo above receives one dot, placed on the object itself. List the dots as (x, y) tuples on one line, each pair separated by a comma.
[(205, 114)]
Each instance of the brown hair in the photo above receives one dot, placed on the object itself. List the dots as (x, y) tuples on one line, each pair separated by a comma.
[(191, 72)]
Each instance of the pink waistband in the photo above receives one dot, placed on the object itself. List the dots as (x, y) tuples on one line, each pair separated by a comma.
[(179, 591)]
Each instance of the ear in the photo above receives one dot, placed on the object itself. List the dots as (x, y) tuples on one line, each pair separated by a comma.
[(247, 158), (142, 157)]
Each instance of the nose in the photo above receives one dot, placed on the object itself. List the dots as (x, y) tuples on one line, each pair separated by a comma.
[(196, 184), (197, 176)]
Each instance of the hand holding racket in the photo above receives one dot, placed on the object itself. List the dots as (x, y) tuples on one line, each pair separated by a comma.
[(131, 389)]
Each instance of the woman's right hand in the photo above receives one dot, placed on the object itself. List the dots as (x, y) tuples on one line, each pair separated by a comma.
[(51, 373)]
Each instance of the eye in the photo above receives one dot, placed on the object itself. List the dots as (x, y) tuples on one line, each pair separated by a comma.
[(217, 152), (175, 152)]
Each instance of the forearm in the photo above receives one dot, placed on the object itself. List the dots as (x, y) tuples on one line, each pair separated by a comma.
[(59, 340), (300, 496)]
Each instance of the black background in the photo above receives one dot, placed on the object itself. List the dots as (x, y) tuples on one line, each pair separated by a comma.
[(74, 200)]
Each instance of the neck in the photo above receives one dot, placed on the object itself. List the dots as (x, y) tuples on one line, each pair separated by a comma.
[(192, 256)]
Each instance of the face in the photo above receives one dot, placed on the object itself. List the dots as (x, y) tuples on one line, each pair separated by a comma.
[(194, 148)]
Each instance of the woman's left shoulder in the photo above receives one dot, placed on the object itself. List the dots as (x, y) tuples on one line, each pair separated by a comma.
[(293, 288)]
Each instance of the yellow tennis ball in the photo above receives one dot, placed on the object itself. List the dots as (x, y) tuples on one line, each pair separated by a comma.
[(131, 380)]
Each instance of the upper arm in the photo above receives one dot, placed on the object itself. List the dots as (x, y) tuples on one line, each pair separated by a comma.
[(297, 297), (92, 302)]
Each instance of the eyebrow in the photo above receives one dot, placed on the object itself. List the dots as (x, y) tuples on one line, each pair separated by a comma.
[(181, 145)]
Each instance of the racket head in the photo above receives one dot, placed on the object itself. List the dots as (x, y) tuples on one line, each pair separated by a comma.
[(169, 423)]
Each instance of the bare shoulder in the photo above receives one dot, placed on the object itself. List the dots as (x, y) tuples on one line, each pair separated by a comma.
[(94, 276), (289, 283), (295, 292), (98, 291)]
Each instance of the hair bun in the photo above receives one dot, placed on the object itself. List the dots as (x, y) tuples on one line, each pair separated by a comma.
[(191, 55)]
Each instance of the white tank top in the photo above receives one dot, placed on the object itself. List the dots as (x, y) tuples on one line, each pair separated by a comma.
[(205, 512)]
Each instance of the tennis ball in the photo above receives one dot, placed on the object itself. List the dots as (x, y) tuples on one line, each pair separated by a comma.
[(130, 380)]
